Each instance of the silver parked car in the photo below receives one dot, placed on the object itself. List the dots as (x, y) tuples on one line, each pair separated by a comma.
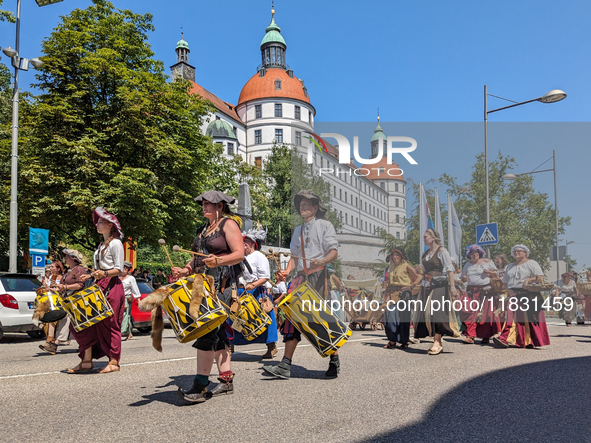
[(17, 304)]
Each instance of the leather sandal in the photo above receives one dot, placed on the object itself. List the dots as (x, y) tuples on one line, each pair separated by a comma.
[(106, 369), (80, 369), (435, 350), (390, 345)]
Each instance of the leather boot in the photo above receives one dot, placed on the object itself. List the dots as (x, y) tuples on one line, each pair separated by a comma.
[(223, 388), (49, 347), (282, 370), (271, 351), (334, 367), (197, 394)]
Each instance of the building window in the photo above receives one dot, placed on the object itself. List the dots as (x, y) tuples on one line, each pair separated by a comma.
[(258, 162), (278, 110), (356, 222), (298, 113), (235, 130), (346, 218), (258, 110), (381, 170), (397, 218), (396, 187), (335, 192), (356, 202), (258, 138), (277, 84), (366, 226), (341, 215), (403, 204), (365, 206), (298, 138), (398, 235), (278, 135), (230, 148), (396, 202), (309, 113), (383, 186), (345, 196), (340, 194)]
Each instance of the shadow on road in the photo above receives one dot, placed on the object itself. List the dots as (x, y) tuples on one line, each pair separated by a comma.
[(168, 396), (536, 402), (299, 372)]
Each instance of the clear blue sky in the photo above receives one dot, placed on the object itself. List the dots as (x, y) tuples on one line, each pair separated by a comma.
[(422, 61)]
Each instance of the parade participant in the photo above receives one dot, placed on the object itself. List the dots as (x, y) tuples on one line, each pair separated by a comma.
[(401, 278), (255, 284), (435, 291), (316, 241), (159, 279), (279, 288), (566, 289), (221, 238), (132, 292), (525, 325), (55, 330), (104, 338), (477, 309)]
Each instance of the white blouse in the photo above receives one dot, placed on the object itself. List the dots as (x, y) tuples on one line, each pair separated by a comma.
[(130, 287), (260, 267), (319, 238), (515, 275), (475, 273), (568, 290), (113, 257)]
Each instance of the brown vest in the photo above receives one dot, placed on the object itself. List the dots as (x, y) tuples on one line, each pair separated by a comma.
[(433, 266)]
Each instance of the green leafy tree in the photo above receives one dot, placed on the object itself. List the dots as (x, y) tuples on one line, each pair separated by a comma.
[(6, 16), (523, 215), (109, 130)]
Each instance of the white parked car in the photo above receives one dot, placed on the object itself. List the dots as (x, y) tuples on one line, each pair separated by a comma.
[(17, 304)]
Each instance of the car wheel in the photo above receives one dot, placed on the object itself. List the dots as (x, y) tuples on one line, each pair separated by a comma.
[(36, 333), (144, 329)]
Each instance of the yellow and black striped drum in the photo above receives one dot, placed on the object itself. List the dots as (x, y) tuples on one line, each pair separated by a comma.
[(87, 307), (56, 307), (306, 310), (250, 320), (176, 305)]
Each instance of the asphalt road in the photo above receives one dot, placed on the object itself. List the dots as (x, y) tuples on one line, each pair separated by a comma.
[(468, 393)]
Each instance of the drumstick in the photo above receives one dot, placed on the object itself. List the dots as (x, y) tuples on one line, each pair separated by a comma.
[(176, 248), (275, 258), (297, 256), (162, 243)]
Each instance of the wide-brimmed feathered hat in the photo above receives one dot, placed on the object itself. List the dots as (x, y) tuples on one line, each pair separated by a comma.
[(215, 197), (399, 251), (312, 197), (474, 248), (101, 212)]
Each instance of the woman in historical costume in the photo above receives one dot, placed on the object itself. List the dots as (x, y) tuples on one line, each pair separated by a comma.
[(132, 292), (57, 332), (254, 282), (478, 302), (566, 291), (401, 278), (526, 324), (438, 286), (221, 239), (104, 338)]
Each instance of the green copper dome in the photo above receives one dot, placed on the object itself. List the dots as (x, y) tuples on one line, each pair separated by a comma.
[(220, 128), (273, 34), (182, 44), (377, 133)]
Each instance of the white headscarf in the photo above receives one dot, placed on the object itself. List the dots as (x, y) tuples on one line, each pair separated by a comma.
[(522, 247), (257, 236)]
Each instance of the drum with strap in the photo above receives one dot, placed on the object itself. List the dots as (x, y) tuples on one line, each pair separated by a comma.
[(54, 307), (87, 307), (250, 320), (306, 310), (176, 305)]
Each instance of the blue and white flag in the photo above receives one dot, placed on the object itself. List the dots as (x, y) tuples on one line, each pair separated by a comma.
[(425, 221), (39, 241)]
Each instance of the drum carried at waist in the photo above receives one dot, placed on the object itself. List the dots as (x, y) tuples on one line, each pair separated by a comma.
[(306, 310), (87, 307), (176, 305), (49, 304), (250, 319)]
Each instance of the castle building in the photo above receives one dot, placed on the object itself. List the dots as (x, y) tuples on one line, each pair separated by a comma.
[(274, 107)]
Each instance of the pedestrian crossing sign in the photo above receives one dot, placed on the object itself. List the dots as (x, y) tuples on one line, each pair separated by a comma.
[(487, 234)]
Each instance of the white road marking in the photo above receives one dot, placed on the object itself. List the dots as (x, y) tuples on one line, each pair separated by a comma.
[(167, 360)]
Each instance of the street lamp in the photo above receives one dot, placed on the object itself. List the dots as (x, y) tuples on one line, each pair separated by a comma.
[(551, 97), (19, 64), (514, 176), (566, 243)]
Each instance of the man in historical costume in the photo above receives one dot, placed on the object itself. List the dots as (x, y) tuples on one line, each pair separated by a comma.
[(316, 242)]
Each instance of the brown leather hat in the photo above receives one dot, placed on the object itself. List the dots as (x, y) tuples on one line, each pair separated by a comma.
[(312, 197)]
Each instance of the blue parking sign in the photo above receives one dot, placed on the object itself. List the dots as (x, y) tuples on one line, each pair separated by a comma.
[(487, 234), (38, 261)]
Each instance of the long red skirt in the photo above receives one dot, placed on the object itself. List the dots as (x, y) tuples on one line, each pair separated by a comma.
[(104, 337), (526, 326), (479, 317)]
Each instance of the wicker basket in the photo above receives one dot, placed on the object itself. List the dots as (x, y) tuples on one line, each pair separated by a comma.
[(584, 288), (540, 287)]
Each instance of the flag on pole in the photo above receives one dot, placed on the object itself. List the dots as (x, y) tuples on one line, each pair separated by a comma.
[(438, 224), (129, 253), (425, 221), (454, 232)]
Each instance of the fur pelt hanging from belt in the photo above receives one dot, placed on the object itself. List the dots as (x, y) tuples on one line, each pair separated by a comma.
[(153, 302)]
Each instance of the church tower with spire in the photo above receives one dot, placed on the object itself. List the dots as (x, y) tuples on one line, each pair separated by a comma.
[(182, 68)]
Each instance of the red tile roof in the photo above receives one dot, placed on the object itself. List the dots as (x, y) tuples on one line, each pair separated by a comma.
[(264, 87), (222, 106), (377, 175)]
